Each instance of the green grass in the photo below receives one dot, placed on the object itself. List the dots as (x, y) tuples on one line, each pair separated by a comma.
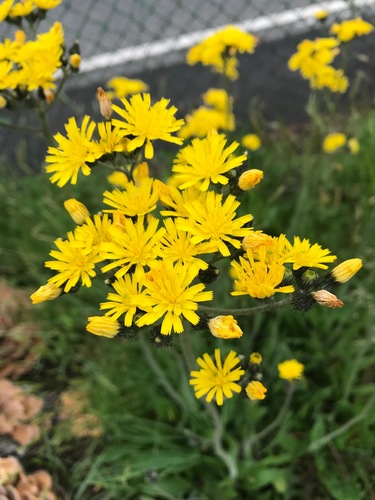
[(159, 446)]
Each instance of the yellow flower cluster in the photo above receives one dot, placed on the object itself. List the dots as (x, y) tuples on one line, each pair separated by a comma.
[(313, 60), (220, 49), (352, 28), (216, 114)]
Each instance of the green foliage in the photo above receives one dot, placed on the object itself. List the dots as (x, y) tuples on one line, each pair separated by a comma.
[(157, 446)]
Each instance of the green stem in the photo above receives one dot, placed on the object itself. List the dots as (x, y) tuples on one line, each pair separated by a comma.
[(161, 378), (217, 438), (46, 130), (251, 311), (22, 128), (274, 424), (319, 443)]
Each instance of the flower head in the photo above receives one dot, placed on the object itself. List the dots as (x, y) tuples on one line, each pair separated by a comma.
[(290, 370), (353, 145), (74, 152), (255, 390), (202, 120), (77, 210), (147, 122), (169, 294), (351, 28), (333, 141), (211, 219), (251, 141), (73, 264), (225, 327), (104, 326), (205, 161), (303, 254), (123, 86), (217, 379)]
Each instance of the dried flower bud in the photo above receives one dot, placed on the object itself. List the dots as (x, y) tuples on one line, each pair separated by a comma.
[(104, 103), (255, 358), (46, 292), (104, 326), (249, 179), (255, 390), (327, 299), (346, 270), (49, 96), (225, 327), (77, 210)]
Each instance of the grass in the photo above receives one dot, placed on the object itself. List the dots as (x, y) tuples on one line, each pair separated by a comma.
[(158, 445)]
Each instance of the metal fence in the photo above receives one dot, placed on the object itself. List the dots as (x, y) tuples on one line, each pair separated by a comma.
[(149, 39)]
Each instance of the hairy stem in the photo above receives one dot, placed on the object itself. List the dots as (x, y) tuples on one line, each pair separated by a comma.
[(247, 311)]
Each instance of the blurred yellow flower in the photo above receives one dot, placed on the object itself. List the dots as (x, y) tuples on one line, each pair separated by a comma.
[(123, 87), (352, 28), (251, 141), (333, 141), (353, 146), (290, 370)]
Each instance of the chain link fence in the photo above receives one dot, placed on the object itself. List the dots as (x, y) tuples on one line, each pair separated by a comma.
[(148, 39)]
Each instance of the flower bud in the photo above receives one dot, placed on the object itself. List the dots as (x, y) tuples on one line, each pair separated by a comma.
[(49, 96), (256, 239), (104, 326), (321, 15), (255, 390), (3, 102), (46, 292), (75, 61), (346, 270), (77, 210), (225, 327), (255, 358), (249, 179), (327, 299), (104, 103)]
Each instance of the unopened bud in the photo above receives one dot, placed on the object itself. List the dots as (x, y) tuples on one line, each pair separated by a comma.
[(77, 210), (3, 102), (255, 358), (75, 61), (225, 327), (46, 292), (256, 239), (346, 270), (255, 390), (104, 326), (48, 95), (20, 37), (249, 179), (104, 103), (327, 299)]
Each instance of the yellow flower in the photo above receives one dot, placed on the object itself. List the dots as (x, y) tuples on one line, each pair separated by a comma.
[(93, 233), (347, 30), (251, 141), (259, 279), (47, 4), (225, 327), (255, 358), (321, 14), (132, 245), (103, 326), (205, 161), (5, 9), (77, 210), (290, 370), (303, 254), (168, 294), (346, 270), (46, 292), (72, 263), (218, 99), (133, 200), (147, 122), (123, 86), (250, 179), (124, 299), (215, 379), (211, 219), (75, 61), (119, 179), (353, 145), (202, 120), (333, 141), (112, 139), (255, 390), (74, 152), (22, 8)]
